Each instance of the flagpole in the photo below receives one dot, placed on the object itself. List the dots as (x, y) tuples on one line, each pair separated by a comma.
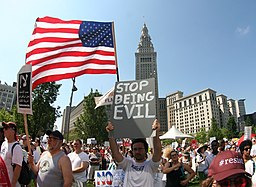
[(114, 42), (70, 105)]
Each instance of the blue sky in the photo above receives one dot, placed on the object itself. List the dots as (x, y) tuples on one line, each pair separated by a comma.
[(200, 43)]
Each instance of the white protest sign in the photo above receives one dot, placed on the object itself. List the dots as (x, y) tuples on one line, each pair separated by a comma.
[(247, 132), (109, 178), (106, 99)]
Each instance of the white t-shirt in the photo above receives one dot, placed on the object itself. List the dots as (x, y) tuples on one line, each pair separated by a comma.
[(253, 150), (6, 154), (139, 174), (251, 169), (201, 163), (76, 161)]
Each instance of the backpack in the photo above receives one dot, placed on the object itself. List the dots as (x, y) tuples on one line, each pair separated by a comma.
[(25, 175)]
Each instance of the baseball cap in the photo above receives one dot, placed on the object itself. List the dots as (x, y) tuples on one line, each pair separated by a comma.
[(24, 137), (226, 164), (9, 124), (55, 133)]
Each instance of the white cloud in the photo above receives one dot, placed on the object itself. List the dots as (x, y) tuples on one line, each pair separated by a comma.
[(243, 31)]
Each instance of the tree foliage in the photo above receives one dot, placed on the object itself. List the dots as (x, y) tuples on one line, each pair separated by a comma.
[(248, 121), (5, 115), (232, 128), (44, 113), (215, 130), (201, 136), (92, 122)]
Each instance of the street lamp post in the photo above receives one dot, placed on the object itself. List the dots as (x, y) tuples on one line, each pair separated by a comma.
[(74, 88)]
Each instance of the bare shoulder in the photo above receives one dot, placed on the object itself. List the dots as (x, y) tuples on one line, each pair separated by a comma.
[(64, 159)]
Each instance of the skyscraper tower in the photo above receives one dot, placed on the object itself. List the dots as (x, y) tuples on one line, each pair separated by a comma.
[(146, 64)]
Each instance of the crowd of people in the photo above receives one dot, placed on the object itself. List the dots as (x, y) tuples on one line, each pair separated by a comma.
[(60, 163)]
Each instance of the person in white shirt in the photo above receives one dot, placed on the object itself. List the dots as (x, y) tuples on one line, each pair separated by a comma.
[(16, 158), (80, 163), (253, 150), (139, 172), (250, 166)]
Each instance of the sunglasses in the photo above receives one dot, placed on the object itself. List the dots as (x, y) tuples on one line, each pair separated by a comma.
[(247, 148), (237, 182), (53, 138), (173, 155), (138, 149)]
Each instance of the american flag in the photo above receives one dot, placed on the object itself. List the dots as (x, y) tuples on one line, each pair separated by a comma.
[(62, 49)]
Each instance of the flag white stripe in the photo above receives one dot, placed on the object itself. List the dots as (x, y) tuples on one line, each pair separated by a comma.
[(57, 25), (54, 35), (79, 49), (51, 44), (73, 59)]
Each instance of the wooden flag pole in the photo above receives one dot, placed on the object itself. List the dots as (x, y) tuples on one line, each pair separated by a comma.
[(114, 42), (26, 131)]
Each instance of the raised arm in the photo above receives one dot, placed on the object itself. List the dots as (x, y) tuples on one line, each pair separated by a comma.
[(156, 142), (34, 167), (118, 157)]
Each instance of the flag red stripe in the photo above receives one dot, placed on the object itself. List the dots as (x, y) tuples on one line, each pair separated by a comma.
[(56, 30), (57, 20), (58, 77)]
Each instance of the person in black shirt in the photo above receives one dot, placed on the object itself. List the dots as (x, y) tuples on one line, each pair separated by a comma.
[(175, 172)]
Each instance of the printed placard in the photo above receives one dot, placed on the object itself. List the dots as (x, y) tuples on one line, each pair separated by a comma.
[(109, 178), (134, 108), (24, 90)]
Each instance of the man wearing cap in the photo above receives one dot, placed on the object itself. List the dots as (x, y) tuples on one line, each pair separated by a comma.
[(54, 167), (10, 159), (227, 169)]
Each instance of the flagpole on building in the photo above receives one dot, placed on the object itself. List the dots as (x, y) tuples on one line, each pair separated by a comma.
[(114, 42), (70, 105)]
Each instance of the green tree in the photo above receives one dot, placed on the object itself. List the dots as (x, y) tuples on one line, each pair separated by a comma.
[(201, 136), (215, 130), (92, 122), (18, 119), (225, 132), (5, 115), (248, 121), (232, 128), (44, 113)]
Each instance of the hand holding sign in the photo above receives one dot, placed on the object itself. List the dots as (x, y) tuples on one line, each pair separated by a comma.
[(156, 125), (109, 127)]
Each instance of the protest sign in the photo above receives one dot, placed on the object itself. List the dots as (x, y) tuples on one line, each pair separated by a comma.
[(134, 108), (24, 90), (109, 178), (106, 99), (247, 132)]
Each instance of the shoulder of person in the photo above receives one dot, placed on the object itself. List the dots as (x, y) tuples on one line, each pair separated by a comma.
[(64, 158), (16, 147)]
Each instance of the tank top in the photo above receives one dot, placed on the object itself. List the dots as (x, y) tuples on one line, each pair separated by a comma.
[(174, 177), (49, 173)]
